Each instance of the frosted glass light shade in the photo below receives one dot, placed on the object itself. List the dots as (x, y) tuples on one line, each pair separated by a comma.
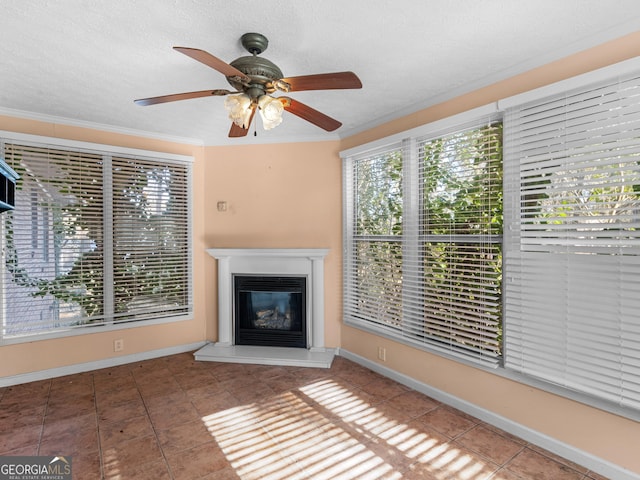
[(271, 111), (239, 109)]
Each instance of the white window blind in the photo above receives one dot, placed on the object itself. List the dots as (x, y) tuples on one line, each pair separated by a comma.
[(150, 239), (94, 239), (423, 242), (572, 190), (373, 264), (461, 241)]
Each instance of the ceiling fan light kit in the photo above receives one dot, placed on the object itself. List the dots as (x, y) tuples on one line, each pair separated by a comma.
[(255, 80)]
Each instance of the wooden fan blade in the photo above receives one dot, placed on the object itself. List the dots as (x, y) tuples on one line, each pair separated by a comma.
[(213, 62), (237, 131), (180, 96), (324, 81), (309, 114)]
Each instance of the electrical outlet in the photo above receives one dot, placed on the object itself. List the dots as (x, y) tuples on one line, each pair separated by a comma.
[(382, 354), (118, 345)]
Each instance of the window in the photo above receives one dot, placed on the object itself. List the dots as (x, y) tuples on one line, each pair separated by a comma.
[(97, 238), (423, 242), (573, 289), (375, 276), (424, 251), (461, 239)]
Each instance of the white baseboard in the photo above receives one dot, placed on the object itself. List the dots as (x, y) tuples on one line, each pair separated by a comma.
[(98, 364), (585, 459)]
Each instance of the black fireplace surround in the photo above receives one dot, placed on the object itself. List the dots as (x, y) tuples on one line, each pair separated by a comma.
[(270, 311)]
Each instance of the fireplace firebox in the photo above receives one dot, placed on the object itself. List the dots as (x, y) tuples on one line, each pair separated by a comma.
[(270, 311)]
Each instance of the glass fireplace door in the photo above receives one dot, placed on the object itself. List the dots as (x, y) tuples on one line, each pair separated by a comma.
[(270, 311)]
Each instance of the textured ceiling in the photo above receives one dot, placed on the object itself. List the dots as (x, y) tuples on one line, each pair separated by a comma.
[(85, 61)]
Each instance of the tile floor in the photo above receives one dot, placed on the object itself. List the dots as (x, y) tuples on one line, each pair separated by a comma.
[(174, 418)]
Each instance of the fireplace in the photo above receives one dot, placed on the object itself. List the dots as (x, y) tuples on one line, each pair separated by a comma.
[(270, 311), (273, 337)]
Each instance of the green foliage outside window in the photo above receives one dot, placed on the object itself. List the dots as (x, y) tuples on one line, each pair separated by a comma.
[(462, 197), (458, 236)]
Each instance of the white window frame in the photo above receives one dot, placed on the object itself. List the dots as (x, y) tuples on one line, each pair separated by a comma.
[(108, 151), (566, 361), (407, 142), (510, 196)]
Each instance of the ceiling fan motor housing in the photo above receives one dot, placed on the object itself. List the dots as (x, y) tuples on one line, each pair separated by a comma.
[(261, 71)]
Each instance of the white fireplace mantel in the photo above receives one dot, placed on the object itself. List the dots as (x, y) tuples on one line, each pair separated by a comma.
[(307, 262)]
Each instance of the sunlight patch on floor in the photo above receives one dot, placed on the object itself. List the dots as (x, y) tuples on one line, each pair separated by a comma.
[(325, 431), (289, 439)]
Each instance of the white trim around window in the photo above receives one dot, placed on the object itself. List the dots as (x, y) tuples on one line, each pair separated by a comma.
[(100, 239), (420, 242), (571, 273)]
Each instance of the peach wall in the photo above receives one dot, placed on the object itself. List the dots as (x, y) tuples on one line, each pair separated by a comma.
[(40, 355), (594, 431), (278, 196)]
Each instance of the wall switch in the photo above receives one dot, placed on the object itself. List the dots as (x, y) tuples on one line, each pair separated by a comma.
[(382, 354), (118, 345)]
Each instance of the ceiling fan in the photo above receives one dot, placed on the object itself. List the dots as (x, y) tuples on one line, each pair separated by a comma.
[(255, 80)]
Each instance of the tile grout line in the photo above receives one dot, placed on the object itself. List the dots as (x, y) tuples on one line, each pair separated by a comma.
[(95, 406), (523, 445), (44, 416), (153, 426)]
